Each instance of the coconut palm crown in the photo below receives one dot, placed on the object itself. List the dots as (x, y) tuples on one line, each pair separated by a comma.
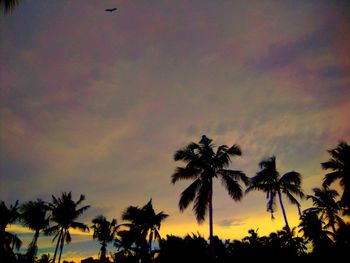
[(269, 181), (339, 164)]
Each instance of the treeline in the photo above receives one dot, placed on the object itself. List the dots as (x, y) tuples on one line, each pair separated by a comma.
[(323, 230)]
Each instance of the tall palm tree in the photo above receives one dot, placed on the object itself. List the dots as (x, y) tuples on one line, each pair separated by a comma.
[(325, 206), (64, 212), (270, 182), (8, 215), (34, 216), (339, 163), (104, 231), (144, 224), (203, 164)]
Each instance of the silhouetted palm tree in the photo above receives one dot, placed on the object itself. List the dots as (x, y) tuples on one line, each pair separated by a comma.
[(34, 216), (64, 213), (104, 231), (144, 224), (8, 5), (270, 182), (203, 165), (127, 251), (45, 258), (325, 206), (8, 215), (339, 163), (312, 228)]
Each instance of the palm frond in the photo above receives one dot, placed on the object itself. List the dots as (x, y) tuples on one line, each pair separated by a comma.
[(330, 178), (235, 175), (184, 173), (233, 187), (82, 210), (291, 198), (332, 164), (80, 226), (234, 150), (294, 189), (160, 217), (222, 158), (271, 204), (130, 213), (291, 178), (81, 199), (189, 194), (67, 237), (202, 201), (187, 153)]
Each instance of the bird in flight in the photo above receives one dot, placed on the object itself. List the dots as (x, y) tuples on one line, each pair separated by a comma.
[(111, 9)]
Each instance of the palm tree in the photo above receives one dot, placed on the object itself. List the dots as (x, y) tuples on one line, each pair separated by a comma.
[(325, 206), (203, 165), (45, 258), (104, 231), (339, 163), (126, 247), (312, 228), (64, 213), (34, 216), (270, 182), (8, 216), (144, 224)]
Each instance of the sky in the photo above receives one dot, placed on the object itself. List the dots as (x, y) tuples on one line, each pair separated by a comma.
[(97, 103)]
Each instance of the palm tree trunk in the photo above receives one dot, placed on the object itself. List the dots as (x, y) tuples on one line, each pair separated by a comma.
[(211, 221), (61, 247), (32, 246), (103, 252), (283, 211), (58, 243)]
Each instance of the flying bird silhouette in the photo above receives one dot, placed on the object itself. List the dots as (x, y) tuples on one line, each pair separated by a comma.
[(111, 9)]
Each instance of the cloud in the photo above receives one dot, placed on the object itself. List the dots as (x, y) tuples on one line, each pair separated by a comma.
[(230, 222)]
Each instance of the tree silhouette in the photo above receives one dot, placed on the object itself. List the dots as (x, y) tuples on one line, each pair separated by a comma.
[(127, 251), (270, 182), (312, 228), (203, 165), (325, 206), (104, 231), (191, 248), (8, 241), (64, 213), (144, 224), (339, 163), (34, 216), (45, 258)]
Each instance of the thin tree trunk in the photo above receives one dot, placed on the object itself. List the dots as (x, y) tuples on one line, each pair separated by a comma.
[(62, 243), (211, 221), (32, 246), (283, 211), (103, 252), (58, 243)]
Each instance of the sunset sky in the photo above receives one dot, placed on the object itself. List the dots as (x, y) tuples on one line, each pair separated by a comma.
[(97, 103)]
